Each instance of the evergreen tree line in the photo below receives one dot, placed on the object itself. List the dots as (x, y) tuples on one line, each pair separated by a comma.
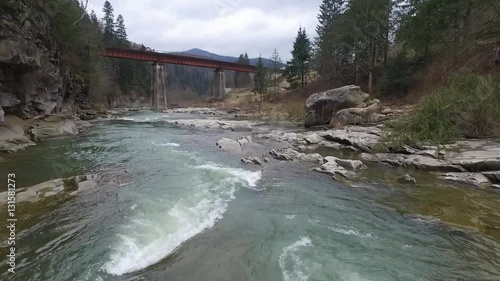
[(81, 37), (382, 42)]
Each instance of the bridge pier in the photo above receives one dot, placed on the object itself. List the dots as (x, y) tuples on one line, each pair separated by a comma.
[(158, 91), (219, 84)]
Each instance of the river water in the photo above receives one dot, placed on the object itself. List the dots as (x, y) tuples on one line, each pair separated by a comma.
[(189, 211)]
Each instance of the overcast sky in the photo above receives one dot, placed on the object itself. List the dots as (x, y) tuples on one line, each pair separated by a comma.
[(225, 27)]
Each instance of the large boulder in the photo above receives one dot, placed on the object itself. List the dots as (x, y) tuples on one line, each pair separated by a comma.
[(354, 116), (321, 107)]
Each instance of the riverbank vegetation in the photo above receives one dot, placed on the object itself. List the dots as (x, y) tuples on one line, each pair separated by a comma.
[(466, 107), (437, 54)]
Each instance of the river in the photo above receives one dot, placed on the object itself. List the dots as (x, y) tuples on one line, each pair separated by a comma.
[(188, 211)]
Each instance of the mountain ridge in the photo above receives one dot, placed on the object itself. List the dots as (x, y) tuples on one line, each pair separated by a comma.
[(203, 53)]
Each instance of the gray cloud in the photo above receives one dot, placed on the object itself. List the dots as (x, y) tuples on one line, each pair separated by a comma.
[(226, 27)]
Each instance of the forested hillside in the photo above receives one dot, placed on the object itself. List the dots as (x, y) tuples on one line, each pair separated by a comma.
[(443, 56), (394, 46)]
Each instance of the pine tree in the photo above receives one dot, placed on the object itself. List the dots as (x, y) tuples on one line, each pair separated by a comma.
[(109, 24), (326, 43), (260, 80), (121, 31), (298, 67), (276, 66), (237, 75)]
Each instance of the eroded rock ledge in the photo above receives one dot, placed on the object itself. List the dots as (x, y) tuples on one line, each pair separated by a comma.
[(70, 186)]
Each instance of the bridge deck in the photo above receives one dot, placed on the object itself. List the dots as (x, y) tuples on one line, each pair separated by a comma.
[(176, 59)]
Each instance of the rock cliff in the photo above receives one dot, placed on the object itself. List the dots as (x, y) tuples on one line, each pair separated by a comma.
[(33, 79)]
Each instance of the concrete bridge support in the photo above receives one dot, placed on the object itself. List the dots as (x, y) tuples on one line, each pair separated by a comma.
[(158, 91), (219, 84)]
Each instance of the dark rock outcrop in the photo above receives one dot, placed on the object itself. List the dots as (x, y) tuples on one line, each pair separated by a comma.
[(33, 79)]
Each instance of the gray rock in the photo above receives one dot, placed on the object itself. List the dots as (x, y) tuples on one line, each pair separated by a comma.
[(314, 158), (418, 161), (363, 141), (354, 116), (475, 179), (252, 160), (407, 179), (240, 127), (332, 144), (286, 154), (12, 136), (476, 156), (229, 145), (348, 164), (321, 107), (313, 139), (334, 169), (493, 176), (368, 157), (54, 127), (2, 118)]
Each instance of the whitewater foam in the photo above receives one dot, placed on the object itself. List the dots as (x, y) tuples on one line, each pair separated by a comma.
[(290, 258), (351, 232), (171, 144), (244, 176), (152, 238)]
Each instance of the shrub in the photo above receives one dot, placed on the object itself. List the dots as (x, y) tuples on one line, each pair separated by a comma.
[(467, 107)]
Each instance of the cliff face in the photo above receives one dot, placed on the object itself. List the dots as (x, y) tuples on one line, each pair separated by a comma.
[(33, 80)]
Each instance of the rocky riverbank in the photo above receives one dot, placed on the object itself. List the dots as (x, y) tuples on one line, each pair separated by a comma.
[(16, 134)]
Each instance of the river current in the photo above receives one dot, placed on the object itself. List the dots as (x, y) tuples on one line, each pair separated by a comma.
[(189, 211)]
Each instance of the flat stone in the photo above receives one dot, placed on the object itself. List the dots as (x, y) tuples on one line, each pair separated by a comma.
[(363, 141), (229, 145), (476, 156), (475, 179), (418, 161)]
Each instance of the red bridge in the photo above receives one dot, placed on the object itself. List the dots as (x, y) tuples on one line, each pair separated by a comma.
[(177, 59), (159, 95)]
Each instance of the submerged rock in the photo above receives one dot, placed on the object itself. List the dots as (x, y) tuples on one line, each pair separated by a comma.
[(407, 179), (475, 179), (69, 186)]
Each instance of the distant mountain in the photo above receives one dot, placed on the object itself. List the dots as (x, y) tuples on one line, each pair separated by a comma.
[(203, 53)]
